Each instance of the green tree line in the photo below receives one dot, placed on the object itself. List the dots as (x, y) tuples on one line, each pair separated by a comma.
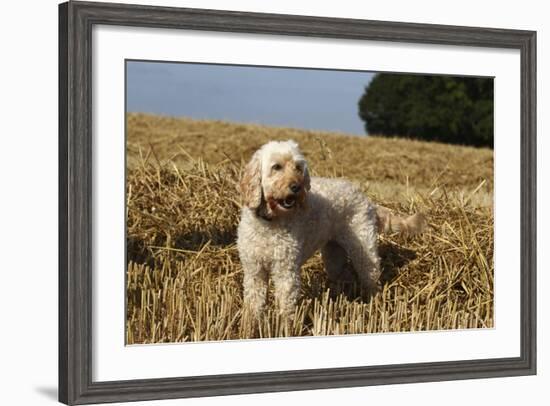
[(455, 110)]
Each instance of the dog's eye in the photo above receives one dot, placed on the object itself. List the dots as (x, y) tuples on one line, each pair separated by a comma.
[(276, 167), (299, 168)]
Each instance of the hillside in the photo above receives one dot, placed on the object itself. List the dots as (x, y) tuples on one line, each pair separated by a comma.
[(184, 275)]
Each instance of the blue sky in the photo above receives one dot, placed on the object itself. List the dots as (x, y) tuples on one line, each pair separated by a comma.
[(299, 98)]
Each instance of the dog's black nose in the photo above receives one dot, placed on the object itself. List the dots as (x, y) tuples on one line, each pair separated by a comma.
[(294, 187)]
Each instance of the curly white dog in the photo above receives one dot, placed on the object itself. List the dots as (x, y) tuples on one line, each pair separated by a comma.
[(287, 216)]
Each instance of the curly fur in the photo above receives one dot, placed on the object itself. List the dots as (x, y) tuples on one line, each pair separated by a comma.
[(286, 217)]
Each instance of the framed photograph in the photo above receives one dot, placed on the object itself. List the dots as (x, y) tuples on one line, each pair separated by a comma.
[(259, 202)]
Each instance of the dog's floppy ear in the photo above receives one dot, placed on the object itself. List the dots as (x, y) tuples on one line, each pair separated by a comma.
[(307, 180), (251, 183)]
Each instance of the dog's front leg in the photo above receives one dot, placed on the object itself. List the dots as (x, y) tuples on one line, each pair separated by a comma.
[(255, 288), (286, 281)]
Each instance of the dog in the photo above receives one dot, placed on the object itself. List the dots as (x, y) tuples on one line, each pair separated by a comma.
[(287, 216)]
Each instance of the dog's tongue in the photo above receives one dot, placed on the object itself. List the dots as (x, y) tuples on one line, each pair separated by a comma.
[(272, 204)]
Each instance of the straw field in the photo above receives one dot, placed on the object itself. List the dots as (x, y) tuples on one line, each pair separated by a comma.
[(183, 271)]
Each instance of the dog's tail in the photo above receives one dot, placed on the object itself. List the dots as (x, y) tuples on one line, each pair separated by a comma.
[(408, 226)]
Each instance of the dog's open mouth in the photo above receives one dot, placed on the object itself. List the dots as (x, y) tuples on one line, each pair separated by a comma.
[(287, 203)]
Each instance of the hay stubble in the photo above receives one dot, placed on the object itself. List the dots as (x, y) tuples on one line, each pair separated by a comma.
[(184, 275)]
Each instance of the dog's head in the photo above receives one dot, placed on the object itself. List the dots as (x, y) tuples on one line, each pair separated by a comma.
[(276, 180)]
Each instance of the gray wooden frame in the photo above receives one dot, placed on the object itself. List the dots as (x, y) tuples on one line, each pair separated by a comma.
[(76, 20)]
